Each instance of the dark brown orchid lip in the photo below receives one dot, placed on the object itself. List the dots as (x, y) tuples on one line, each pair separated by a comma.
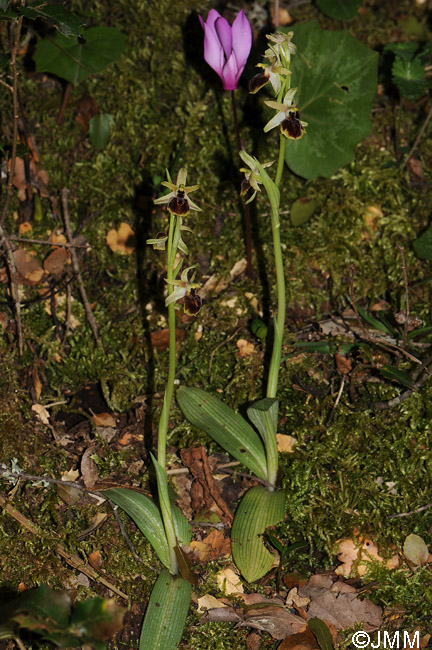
[(257, 82), (192, 303), (291, 126), (179, 204)]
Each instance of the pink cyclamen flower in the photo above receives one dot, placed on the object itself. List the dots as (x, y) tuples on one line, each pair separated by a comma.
[(226, 48)]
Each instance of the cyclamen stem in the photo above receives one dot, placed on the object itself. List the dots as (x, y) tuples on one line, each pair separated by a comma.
[(247, 218)]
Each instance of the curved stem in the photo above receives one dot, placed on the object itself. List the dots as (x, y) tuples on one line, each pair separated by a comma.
[(272, 381), (169, 387)]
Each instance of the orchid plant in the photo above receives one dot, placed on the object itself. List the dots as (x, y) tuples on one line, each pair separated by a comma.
[(261, 506), (165, 527)]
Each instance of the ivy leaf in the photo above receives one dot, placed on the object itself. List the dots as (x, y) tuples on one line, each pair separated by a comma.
[(67, 23), (75, 60), (336, 78), (339, 9)]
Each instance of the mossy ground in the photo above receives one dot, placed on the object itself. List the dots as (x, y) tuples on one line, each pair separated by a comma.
[(165, 101)]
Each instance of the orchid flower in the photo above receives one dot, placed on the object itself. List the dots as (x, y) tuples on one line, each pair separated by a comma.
[(226, 48), (178, 201), (252, 177), (182, 287), (160, 240), (287, 117)]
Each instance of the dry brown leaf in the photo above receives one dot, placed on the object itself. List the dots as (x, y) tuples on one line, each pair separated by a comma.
[(215, 545), (38, 178), (121, 240), (343, 364), (208, 602), (95, 559), (372, 217), (285, 444), (95, 523), (160, 338), (338, 604), (55, 262), (229, 582), (88, 468), (41, 413), (37, 385), (416, 167), (69, 494), (355, 554), (245, 348), (87, 109), (24, 228), (103, 419), (301, 641), (28, 267), (275, 620)]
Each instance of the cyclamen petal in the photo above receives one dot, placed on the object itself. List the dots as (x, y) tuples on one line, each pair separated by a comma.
[(226, 48)]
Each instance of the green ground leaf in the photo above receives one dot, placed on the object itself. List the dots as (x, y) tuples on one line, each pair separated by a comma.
[(423, 245), (74, 60), (166, 613), (99, 129), (322, 633), (339, 9), (228, 428), (302, 210), (147, 517), (67, 23), (258, 510), (336, 77)]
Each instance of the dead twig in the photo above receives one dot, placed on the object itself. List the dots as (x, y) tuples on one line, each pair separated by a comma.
[(418, 138), (75, 266), (411, 512), (46, 242), (10, 263)]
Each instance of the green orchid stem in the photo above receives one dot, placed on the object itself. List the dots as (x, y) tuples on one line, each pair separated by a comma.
[(173, 235), (273, 377), (281, 159)]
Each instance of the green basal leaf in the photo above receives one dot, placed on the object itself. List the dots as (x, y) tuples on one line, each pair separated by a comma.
[(390, 372), (339, 9), (336, 77), (322, 633), (147, 517), (326, 347), (264, 415), (258, 509), (99, 129), (226, 427), (166, 613), (67, 23), (377, 324), (75, 60), (423, 245)]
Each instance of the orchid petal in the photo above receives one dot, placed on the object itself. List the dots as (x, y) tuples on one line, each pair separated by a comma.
[(275, 121), (241, 40), (223, 31)]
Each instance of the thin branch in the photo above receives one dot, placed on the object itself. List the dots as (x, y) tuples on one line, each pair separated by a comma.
[(10, 262), (418, 138), (46, 242), (411, 512), (75, 266)]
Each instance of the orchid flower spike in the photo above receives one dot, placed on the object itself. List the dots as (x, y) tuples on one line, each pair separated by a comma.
[(287, 117), (178, 200), (226, 48), (161, 239), (252, 179)]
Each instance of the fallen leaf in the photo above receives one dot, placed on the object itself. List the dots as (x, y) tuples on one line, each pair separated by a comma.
[(373, 214), (95, 523), (276, 620), (55, 262), (121, 240), (214, 546), (285, 444), (87, 109), (68, 494), (95, 559), (41, 413), (208, 602), (37, 385), (245, 348), (293, 599), (300, 641), (343, 364), (160, 338), (38, 178), (338, 604), (229, 582), (415, 550), (88, 468), (24, 228), (103, 419), (416, 167), (28, 267), (355, 555)]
